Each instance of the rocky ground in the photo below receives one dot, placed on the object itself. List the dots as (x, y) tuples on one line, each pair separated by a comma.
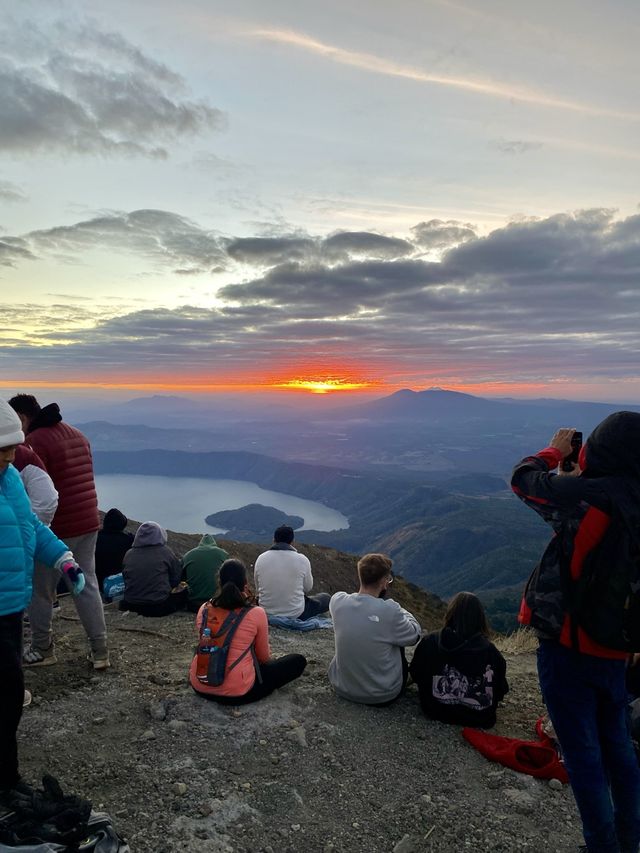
[(300, 771)]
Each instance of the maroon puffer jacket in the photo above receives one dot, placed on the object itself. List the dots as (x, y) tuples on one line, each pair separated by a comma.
[(67, 457)]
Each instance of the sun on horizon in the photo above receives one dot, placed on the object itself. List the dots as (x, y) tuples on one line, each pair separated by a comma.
[(323, 386)]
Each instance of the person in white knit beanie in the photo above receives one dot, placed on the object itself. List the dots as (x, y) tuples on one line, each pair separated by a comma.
[(23, 537)]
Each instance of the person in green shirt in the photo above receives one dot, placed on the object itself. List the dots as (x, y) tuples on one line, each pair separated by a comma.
[(200, 566)]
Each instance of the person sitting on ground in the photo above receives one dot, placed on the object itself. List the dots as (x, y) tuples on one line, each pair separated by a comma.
[(112, 544), (22, 537), (200, 570), (371, 632), (152, 573), (283, 580), (460, 674), (250, 673)]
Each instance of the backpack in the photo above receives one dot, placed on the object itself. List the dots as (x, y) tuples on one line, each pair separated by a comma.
[(605, 600), (212, 651)]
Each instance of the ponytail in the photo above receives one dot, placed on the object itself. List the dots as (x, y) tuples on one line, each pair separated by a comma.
[(232, 580)]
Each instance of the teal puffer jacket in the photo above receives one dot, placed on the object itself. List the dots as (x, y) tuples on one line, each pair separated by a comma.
[(23, 537)]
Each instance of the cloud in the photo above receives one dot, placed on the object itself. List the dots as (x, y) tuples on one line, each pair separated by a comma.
[(158, 235), (345, 244), (488, 88), (11, 192), (515, 146), (85, 91), (13, 250), (535, 299), (441, 234)]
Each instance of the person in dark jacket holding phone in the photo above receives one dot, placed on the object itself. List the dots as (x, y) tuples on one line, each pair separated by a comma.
[(460, 674), (582, 679)]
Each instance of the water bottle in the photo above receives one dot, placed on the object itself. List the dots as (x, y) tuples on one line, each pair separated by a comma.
[(204, 650)]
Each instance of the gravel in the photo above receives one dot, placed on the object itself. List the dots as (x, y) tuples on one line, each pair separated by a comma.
[(299, 771)]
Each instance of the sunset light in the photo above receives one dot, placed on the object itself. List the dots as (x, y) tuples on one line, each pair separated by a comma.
[(322, 386)]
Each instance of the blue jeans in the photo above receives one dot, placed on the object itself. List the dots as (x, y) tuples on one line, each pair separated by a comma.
[(587, 702)]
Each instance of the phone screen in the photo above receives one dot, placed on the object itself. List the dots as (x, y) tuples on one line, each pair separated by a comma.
[(570, 460)]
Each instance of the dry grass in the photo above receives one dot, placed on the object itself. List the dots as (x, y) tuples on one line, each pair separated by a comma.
[(520, 642)]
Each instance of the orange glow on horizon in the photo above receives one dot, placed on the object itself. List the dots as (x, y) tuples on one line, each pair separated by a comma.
[(323, 386)]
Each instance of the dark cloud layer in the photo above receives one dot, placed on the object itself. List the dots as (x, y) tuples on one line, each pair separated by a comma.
[(533, 301), (90, 92)]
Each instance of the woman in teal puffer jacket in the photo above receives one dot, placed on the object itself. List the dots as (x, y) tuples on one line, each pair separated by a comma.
[(23, 538)]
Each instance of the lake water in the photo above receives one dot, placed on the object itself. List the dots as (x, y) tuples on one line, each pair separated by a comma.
[(182, 503)]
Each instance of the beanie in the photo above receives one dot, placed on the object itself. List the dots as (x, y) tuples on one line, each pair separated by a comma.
[(10, 426)]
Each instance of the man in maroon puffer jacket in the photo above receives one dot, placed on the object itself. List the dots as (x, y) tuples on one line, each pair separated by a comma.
[(67, 457)]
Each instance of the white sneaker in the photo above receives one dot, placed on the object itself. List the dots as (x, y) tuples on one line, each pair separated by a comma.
[(27, 698)]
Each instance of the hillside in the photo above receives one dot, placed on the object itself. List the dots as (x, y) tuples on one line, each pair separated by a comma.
[(302, 770)]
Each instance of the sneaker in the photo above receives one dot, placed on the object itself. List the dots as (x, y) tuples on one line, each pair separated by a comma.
[(56, 609), (99, 657), (27, 698), (39, 657)]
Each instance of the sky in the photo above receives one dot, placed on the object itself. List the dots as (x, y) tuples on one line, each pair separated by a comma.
[(212, 196)]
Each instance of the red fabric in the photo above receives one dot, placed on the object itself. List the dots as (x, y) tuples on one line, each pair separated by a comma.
[(66, 455), (534, 758), (26, 456)]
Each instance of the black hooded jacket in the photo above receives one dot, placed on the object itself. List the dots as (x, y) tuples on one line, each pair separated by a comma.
[(459, 681), (112, 544)]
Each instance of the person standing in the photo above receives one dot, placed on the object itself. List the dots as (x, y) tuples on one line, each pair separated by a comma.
[(592, 510), (283, 580), (371, 632), (200, 566), (66, 454), (22, 537)]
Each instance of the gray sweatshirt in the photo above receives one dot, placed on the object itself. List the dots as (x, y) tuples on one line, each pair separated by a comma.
[(367, 666)]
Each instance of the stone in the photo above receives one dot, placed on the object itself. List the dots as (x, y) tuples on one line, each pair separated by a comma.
[(298, 735), (555, 784), (296, 827), (177, 726), (148, 735), (179, 788), (520, 801), (407, 844), (157, 711)]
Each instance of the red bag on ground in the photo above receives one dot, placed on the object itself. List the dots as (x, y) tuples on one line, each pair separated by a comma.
[(536, 758)]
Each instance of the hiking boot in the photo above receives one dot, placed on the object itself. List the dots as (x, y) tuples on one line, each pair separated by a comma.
[(99, 656), (27, 698), (33, 656)]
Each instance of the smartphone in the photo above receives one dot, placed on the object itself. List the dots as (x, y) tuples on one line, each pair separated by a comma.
[(576, 443)]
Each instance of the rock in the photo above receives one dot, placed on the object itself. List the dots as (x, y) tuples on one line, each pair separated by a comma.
[(177, 726), (157, 711), (495, 779), (555, 784), (296, 827), (160, 678), (98, 721), (179, 788), (520, 801), (298, 735), (148, 735), (407, 844)]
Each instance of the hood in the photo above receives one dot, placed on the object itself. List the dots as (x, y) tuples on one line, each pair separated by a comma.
[(114, 521), (149, 533), (47, 417), (449, 641), (613, 448), (207, 539)]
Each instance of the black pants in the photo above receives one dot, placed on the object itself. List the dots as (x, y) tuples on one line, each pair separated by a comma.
[(314, 605), (12, 681), (175, 601), (274, 674)]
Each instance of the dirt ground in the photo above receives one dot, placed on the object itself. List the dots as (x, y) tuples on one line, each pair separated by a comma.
[(299, 771)]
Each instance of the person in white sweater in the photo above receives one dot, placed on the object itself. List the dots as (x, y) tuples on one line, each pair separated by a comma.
[(283, 579), (371, 632)]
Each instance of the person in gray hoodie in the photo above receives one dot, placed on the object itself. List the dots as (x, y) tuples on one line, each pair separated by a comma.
[(371, 632), (151, 573)]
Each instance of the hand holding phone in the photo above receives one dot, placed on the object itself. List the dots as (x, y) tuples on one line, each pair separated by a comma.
[(571, 460)]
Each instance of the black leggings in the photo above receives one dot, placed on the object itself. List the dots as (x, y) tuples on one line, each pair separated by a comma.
[(12, 681), (274, 674), (175, 601)]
